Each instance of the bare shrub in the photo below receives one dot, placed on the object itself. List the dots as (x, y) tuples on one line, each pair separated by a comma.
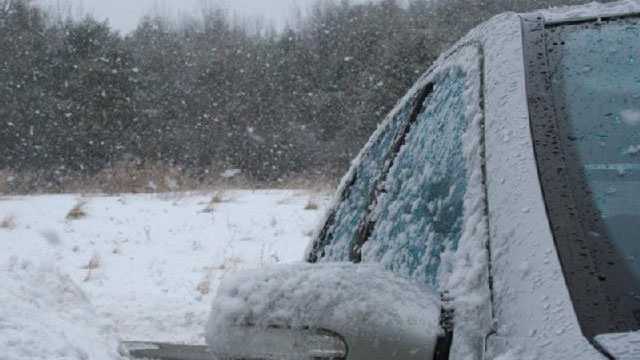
[(130, 177), (8, 222), (217, 198), (93, 264), (77, 212), (7, 180), (321, 182), (311, 205), (136, 177), (204, 287)]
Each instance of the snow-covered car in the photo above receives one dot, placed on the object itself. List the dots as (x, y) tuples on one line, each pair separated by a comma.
[(507, 180)]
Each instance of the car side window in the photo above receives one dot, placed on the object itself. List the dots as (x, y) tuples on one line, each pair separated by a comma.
[(585, 117), (341, 229), (420, 210)]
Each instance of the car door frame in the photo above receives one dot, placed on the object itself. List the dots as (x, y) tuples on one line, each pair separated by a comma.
[(569, 203), (534, 314)]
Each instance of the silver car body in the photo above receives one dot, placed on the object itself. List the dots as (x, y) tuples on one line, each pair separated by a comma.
[(523, 310)]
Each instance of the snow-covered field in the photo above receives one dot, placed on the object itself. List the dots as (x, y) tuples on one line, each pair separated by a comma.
[(148, 264)]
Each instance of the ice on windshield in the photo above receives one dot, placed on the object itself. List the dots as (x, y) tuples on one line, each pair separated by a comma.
[(341, 231), (419, 213)]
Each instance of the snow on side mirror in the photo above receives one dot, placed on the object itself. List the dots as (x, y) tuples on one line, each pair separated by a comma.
[(323, 311)]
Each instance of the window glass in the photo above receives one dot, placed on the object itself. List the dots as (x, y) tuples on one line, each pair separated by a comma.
[(584, 102), (342, 228), (596, 83), (419, 214)]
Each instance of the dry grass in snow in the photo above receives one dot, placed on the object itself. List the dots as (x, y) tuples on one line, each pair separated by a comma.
[(77, 212), (8, 222)]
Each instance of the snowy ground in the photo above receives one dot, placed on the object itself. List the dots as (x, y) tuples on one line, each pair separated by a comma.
[(149, 264)]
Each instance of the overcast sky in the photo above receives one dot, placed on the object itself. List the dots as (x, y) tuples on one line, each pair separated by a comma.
[(124, 14)]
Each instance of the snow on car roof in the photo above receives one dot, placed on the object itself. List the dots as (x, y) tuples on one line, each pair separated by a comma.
[(589, 11), (492, 27)]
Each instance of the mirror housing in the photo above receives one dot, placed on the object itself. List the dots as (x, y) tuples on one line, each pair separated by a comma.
[(274, 343), (323, 311)]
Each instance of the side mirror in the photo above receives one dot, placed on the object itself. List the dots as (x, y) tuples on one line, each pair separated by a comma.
[(323, 311)]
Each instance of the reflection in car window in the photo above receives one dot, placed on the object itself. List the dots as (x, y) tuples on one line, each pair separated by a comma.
[(597, 82), (419, 213), (340, 232), (587, 156)]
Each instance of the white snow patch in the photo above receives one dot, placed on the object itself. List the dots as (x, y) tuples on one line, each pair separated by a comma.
[(630, 117), (632, 150), (151, 263), (229, 173), (45, 315)]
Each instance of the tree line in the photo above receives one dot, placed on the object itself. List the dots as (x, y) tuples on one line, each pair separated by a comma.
[(213, 93)]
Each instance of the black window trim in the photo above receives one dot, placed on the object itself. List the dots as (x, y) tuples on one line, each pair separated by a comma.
[(568, 203)]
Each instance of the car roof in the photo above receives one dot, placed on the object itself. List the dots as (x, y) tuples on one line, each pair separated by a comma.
[(589, 11), (492, 29)]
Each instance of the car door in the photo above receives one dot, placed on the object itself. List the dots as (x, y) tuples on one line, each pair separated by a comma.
[(415, 201)]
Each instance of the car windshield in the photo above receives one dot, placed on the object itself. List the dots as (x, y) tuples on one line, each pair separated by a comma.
[(595, 88)]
